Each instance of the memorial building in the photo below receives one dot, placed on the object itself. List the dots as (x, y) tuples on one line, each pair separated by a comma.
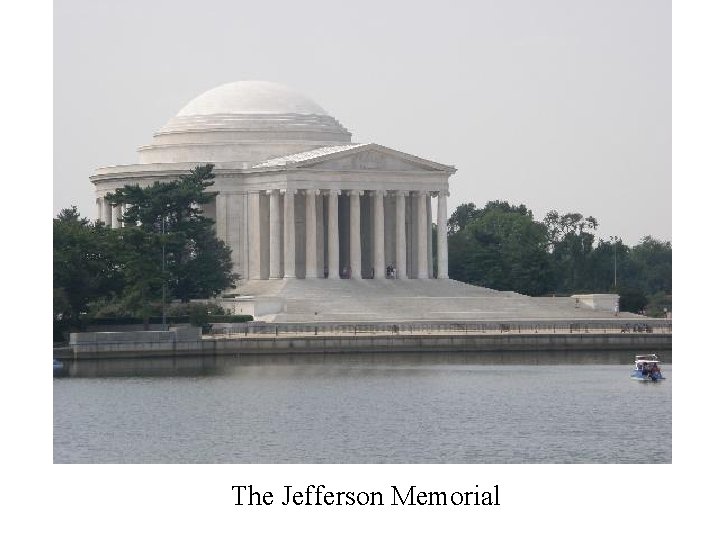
[(321, 228), (296, 198)]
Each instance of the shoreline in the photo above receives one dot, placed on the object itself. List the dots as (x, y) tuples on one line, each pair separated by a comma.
[(219, 356), (211, 347), (184, 350)]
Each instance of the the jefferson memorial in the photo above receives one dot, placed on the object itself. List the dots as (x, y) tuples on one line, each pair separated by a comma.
[(320, 227)]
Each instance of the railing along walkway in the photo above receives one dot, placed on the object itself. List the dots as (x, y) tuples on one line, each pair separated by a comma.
[(272, 330)]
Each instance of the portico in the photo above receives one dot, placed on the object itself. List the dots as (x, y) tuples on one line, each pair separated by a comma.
[(345, 234)]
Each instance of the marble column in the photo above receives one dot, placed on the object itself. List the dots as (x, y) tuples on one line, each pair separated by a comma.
[(99, 205), (428, 205), (442, 247), (275, 235), (355, 250), (422, 251), (310, 235), (254, 270), (400, 242), (379, 234), (232, 209), (320, 232), (116, 214), (289, 254), (107, 212), (221, 217), (333, 236)]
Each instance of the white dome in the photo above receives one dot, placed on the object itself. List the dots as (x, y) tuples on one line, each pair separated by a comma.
[(251, 97), (244, 121)]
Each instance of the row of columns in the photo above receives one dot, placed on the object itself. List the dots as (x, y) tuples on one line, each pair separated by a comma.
[(109, 214), (286, 241), (282, 242)]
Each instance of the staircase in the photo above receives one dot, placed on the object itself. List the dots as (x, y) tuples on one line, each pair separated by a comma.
[(371, 300)]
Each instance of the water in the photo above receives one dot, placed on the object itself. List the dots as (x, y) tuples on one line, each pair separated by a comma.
[(482, 408)]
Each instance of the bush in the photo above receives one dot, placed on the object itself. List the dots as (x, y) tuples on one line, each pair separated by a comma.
[(230, 318), (197, 320), (632, 300), (111, 309), (198, 315), (194, 308), (61, 329), (201, 314), (658, 304)]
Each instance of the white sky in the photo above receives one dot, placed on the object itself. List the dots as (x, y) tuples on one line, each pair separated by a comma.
[(556, 104)]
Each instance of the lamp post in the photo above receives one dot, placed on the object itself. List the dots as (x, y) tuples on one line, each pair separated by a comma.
[(162, 241), (615, 241)]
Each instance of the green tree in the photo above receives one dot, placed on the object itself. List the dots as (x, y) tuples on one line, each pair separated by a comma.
[(142, 272), (86, 265), (653, 264), (461, 217), (570, 242), (165, 228), (499, 246), (207, 268), (601, 273), (633, 300), (558, 226)]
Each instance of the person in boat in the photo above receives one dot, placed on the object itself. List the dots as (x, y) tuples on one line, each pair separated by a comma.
[(654, 372), (644, 369)]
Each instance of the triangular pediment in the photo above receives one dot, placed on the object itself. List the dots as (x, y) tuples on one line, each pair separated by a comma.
[(359, 157)]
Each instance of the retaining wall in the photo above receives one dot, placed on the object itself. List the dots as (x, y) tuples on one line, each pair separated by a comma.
[(311, 344)]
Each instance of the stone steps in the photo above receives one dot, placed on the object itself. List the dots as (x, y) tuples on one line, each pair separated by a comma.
[(412, 299)]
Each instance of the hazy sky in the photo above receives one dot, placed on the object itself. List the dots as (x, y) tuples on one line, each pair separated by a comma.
[(556, 104)]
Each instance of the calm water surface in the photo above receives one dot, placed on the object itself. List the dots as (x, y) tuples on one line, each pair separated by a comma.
[(483, 408)]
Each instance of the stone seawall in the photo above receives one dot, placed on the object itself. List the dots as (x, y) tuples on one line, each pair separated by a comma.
[(444, 343), (329, 344)]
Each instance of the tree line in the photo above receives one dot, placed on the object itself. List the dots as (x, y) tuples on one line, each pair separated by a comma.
[(502, 246)]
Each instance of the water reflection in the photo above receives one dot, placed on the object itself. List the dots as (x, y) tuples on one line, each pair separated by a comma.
[(222, 365)]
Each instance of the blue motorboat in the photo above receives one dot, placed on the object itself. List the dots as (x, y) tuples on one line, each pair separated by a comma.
[(647, 368), (58, 367)]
